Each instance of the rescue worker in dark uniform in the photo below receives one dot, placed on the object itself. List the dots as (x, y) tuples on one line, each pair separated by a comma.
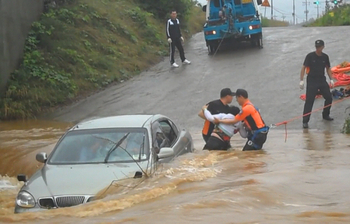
[(314, 66), (255, 125), (174, 36), (222, 133), (216, 107)]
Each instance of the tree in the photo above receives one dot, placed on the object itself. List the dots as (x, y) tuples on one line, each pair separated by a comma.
[(162, 8)]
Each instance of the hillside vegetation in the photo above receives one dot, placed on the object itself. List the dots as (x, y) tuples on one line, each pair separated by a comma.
[(339, 16), (80, 46)]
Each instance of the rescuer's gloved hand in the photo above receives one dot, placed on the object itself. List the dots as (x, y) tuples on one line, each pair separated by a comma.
[(183, 40), (169, 40), (301, 84), (331, 83)]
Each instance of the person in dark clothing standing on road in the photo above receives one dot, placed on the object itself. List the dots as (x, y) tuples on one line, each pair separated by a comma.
[(314, 66), (216, 107), (175, 38)]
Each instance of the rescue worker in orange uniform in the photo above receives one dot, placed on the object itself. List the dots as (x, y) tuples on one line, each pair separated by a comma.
[(256, 128)]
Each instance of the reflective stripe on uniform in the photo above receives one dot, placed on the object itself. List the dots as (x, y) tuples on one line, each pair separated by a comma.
[(251, 116), (206, 127)]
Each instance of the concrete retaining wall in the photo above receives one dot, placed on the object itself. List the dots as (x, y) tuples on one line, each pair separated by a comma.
[(16, 17)]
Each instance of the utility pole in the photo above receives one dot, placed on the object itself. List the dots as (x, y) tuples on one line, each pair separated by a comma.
[(271, 9), (283, 17), (293, 14), (306, 11), (317, 2), (327, 6)]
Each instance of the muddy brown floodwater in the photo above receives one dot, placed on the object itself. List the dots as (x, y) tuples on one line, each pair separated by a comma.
[(302, 180)]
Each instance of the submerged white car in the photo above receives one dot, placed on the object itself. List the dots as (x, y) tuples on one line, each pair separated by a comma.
[(96, 153)]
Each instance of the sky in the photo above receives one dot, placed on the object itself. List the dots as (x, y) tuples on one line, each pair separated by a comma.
[(284, 8)]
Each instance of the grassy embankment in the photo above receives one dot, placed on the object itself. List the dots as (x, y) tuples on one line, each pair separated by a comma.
[(337, 17), (83, 46), (273, 23)]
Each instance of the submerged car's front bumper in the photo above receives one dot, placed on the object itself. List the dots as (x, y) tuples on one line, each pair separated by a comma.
[(56, 202), (19, 209)]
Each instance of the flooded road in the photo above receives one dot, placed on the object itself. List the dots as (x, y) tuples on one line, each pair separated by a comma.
[(302, 180)]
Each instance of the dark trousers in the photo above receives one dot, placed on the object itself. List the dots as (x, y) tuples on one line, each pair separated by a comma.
[(312, 88), (176, 43), (256, 143), (215, 143), (206, 137)]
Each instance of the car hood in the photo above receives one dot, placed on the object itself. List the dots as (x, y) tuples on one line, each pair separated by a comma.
[(86, 179)]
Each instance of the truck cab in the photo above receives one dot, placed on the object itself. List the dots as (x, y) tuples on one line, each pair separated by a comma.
[(232, 21)]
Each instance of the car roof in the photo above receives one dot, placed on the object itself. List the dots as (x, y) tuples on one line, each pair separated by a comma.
[(121, 121)]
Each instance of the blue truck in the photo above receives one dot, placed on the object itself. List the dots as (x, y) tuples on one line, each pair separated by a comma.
[(232, 21)]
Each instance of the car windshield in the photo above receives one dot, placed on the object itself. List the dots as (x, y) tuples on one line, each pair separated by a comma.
[(99, 146)]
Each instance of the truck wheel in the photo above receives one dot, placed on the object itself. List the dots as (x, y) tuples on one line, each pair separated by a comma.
[(211, 49), (253, 43), (259, 41)]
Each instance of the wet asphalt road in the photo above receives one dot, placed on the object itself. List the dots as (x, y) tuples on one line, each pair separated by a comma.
[(270, 75)]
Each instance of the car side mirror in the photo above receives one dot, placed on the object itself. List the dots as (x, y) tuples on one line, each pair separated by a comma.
[(204, 8), (165, 153), (41, 157), (22, 177), (259, 2)]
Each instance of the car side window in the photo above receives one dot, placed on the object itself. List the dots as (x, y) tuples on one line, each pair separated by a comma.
[(159, 140), (169, 131), (174, 127), (164, 134)]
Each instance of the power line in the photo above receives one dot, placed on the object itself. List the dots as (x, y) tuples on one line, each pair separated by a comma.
[(280, 11), (284, 13), (277, 9), (310, 12)]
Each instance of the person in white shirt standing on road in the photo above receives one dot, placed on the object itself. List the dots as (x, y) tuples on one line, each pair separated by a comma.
[(174, 39)]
